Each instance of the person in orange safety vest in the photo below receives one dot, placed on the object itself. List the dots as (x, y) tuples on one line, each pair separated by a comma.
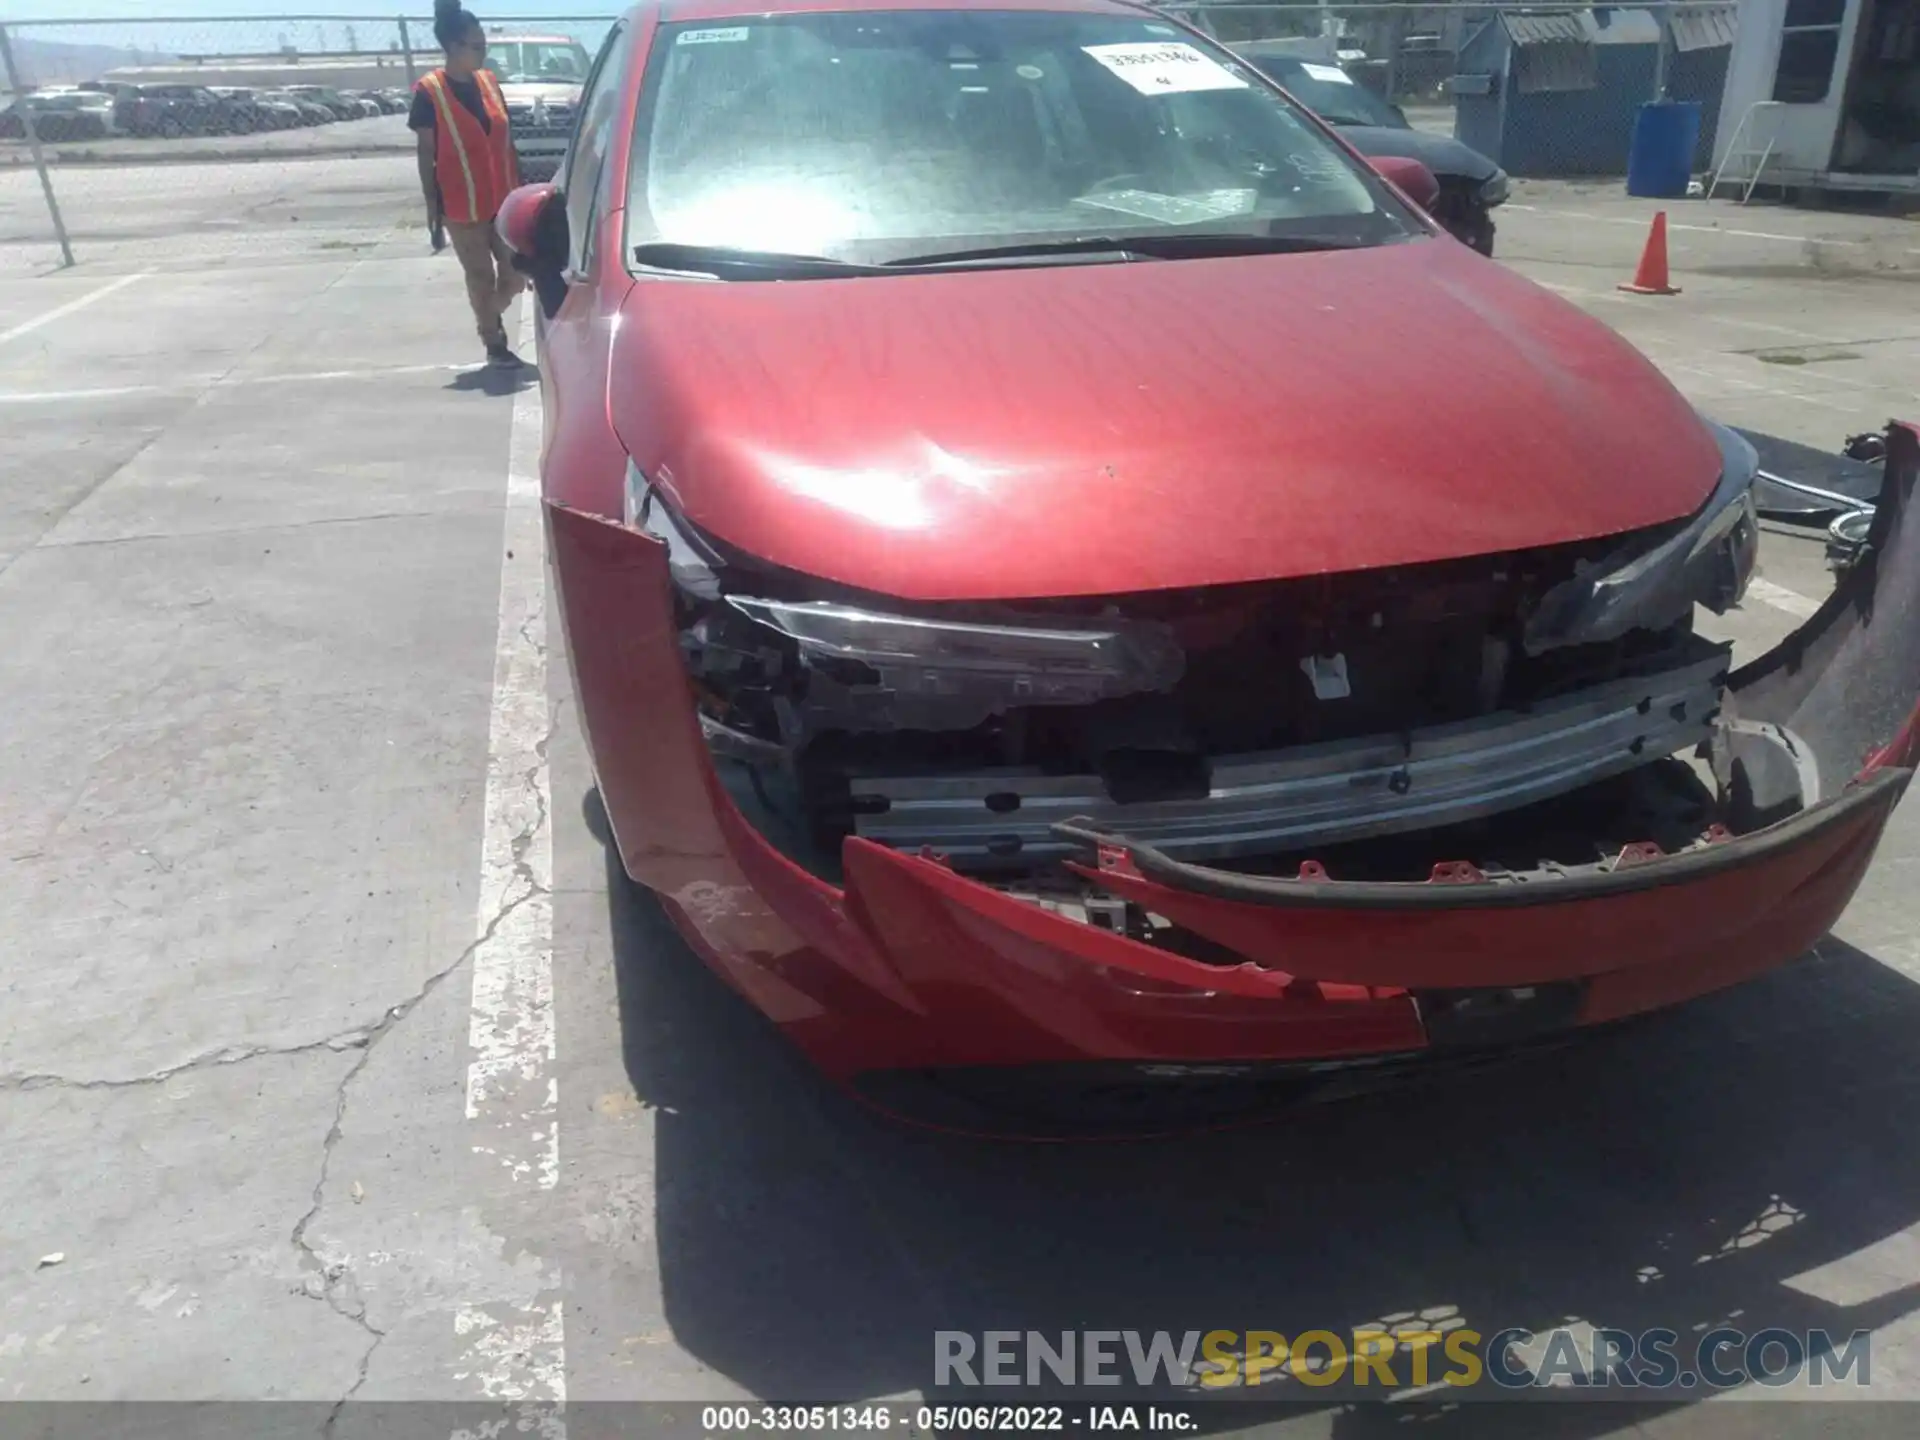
[(467, 168)]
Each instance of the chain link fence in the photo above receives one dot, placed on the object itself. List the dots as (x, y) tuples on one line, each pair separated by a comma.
[(127, 132), (190, 141)]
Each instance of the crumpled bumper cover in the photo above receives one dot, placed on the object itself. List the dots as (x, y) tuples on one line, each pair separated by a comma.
[(913, 967)]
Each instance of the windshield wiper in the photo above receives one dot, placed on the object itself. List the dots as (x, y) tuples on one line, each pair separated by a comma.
[(727, 262), (1181, 245), (723, 261)]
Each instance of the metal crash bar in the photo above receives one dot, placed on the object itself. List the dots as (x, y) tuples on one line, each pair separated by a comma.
[(1314, 794), (1800, 487)]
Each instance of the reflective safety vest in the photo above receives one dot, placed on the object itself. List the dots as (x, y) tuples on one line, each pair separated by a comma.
[(476, 167)]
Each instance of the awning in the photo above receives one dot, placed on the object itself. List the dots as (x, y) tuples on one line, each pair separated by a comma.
[(1706, 28)]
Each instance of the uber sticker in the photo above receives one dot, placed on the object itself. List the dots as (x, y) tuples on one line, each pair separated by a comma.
[(1317, 167), (713, 37), (1165, 68), (1332, 73)]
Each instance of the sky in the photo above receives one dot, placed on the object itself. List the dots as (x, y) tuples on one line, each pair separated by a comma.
[(24, 11)]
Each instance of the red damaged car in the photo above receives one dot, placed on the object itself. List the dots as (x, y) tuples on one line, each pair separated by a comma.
[(1077, 589)]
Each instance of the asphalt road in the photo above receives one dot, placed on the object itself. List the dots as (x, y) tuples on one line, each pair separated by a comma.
[(336, 1060)]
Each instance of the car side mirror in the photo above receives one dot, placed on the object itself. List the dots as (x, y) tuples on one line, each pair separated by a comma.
[(533, 222), (1410, 177)]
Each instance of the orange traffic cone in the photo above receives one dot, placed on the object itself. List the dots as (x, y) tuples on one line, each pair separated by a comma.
[(1651, 277)]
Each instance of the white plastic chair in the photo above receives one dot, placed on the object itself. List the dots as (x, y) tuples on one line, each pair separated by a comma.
[(1762, 117)]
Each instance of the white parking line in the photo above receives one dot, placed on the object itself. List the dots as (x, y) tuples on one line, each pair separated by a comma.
[(110, 392), (60, 312), (513, 1101), (1781, 598), (1548, 212), (226, 382)]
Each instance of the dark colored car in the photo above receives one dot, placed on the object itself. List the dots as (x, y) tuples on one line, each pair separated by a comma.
[(125, 98), (1074, 584), (257, 110), (1471, 185), (309, 112), (172, 111), (342, 106)]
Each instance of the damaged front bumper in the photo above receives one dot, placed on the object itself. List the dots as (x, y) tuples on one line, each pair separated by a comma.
[(909, 967)]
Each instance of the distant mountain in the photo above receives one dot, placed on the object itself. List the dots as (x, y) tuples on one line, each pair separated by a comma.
[(55, 62)]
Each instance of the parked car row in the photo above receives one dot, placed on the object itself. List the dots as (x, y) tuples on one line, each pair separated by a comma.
[(99, 109)]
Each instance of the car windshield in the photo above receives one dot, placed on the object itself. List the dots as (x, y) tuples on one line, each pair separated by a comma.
[(1328, 91), (559, 62), (877, 137)]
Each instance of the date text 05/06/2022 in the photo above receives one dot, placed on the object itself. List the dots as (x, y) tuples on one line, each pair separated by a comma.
[(915, 1420)]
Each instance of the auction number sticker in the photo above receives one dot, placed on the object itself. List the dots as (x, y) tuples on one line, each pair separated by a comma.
[(1169, 68), (1331, 73)]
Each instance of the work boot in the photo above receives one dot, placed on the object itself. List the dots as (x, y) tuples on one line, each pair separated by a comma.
[(499, 353)]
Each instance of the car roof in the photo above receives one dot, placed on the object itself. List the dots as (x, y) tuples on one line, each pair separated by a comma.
[(675, 10)]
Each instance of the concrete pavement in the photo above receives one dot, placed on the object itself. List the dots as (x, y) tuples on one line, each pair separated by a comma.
[(201, 217), (336, 1058), (1803, 324)]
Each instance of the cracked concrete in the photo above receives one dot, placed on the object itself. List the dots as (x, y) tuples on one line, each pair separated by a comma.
[(334, 1275), (350, 1040), (177, 1283), (238, 809)]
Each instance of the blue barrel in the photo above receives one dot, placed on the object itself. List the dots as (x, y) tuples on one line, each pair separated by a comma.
[(1664, 138)]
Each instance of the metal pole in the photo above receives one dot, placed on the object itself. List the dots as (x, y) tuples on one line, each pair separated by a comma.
[(1396, 38), (19, 89), (406, 48), (1662, 18)]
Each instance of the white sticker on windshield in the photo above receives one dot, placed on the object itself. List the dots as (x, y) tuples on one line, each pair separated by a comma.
[(1165, 69), (713, 37), (1174, 209), (1331, 73)]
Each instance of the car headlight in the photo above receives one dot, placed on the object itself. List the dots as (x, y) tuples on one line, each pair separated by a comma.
[(1062, 663), (1649, 585), (998, 664), (694, 568), (1495, 189)]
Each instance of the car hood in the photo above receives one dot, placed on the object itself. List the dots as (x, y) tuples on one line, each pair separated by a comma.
[(1100, 429), (1442, 154)]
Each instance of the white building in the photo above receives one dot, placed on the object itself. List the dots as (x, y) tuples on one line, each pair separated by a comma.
[(1837, 85)]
